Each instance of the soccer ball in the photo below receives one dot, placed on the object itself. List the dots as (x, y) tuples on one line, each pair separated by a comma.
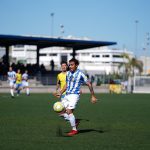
[(58, 107)]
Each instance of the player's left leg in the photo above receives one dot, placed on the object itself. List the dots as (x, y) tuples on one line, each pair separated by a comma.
[(73, 99), (19, 88), (72, 123), (11, 84), (27, 89)]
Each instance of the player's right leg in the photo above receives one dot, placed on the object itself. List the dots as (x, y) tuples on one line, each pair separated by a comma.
[(26, 86), (11, 84), (27, 91), (64, 113)]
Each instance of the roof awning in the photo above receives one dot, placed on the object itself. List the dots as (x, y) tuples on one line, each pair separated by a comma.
[(43, 42)]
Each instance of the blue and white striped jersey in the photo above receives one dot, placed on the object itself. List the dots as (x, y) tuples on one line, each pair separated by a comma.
[(74, 80), (11, 76), (25, 77)]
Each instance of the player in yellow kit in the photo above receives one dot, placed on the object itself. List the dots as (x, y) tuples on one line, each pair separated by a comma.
[(18, 82), (61, 79), (61, 82)]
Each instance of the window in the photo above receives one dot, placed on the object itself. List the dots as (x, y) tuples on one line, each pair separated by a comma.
[(95, 56), (85, 54), (105, 55), (18, 50), (77, 54), (43, 54), (54, 54), (19, 46), (117, 56), (31, 50)]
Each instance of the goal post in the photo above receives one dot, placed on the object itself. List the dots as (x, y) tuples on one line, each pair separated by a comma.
[(141, 84)]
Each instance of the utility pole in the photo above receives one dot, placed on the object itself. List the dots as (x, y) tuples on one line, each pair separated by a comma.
[(52, 24), (136, 37)]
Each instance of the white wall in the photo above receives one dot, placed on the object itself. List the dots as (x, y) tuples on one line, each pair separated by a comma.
[(95, 60)]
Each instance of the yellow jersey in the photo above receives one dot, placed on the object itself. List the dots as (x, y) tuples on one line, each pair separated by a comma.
[(61, 79), (18, 78)]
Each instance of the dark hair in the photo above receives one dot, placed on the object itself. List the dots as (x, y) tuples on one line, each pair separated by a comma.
[(64, 62), (75, 61)]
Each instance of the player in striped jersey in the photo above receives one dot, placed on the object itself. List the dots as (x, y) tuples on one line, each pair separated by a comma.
[(74, 79), (25, 82), (11, 79)]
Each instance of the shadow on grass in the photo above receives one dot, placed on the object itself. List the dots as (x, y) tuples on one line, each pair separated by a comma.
[(91, 130), (59, 132)]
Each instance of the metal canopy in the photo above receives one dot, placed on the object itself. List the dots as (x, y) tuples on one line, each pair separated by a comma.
[(43, 42)]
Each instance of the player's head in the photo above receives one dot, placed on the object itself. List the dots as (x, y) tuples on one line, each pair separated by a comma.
[(73, 64), (10, 69), (26, 71), (64, 66), (18, 71)]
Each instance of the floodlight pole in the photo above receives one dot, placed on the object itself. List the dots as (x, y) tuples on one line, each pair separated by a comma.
[(146, 50), (52, 24), (136, 36), (62, 30)]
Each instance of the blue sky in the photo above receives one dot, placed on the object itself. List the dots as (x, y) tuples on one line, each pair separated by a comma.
[(103, 20)]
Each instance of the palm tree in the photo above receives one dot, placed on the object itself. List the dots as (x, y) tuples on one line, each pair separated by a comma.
[(130, 65)]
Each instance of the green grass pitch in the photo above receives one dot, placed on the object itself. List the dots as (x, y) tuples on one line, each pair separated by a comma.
[(116, 122)]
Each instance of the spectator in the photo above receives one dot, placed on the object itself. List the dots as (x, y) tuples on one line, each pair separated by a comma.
[(52, 65)]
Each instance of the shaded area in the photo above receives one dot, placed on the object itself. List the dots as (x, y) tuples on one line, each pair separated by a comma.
[(60, 133), (91, 130)]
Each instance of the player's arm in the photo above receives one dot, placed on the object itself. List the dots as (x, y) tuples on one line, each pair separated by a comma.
[(23, 78), (15, 78), (8, 77), (57, 85), (57, 93), (63, 89), (93, 97)]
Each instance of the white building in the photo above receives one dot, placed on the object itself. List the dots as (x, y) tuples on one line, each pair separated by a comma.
[(2, 52), (100, 60), (146, 64), (24, 53)]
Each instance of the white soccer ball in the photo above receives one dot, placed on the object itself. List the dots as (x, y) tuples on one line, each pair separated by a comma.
[(58, 107)]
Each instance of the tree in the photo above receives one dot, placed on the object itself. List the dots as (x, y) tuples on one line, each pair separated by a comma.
[(130, 65)]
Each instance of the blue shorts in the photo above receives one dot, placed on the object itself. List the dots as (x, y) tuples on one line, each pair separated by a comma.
[(18, 85)]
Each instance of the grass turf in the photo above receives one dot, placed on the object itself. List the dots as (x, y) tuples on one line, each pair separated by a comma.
[(116, 122)]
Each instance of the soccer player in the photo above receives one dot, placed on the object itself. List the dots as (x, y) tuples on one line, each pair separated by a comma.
[(61, 82), (61, 79), (25, 82), (74, 79), (12, 79), (18, 85)]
